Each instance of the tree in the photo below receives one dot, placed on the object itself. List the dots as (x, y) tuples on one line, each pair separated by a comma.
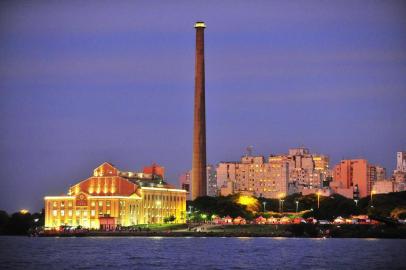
[(169, 219), (19, 223), (4, 218)]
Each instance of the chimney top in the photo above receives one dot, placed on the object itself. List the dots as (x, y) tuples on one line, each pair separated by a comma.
[(200, 25)]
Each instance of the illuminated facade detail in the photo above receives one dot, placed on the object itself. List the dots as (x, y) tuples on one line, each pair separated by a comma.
[(110, 198)]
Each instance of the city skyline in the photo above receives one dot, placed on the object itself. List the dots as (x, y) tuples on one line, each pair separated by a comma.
[(101, 82)]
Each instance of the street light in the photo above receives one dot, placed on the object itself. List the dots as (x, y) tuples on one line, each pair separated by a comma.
[(264, 203), (281, 202), (297, 206), (318, 199), (356, 202), (282, 205), (372, 201)]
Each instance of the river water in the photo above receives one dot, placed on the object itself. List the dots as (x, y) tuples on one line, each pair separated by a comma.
[(200, 253)]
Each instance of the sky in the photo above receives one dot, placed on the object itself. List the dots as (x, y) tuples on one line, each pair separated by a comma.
[(83, 82)]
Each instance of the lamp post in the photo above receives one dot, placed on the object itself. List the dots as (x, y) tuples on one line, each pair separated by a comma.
[(372, 199), (297, 206), (318, 199), (282, 205), (281, 202), (264, 203), (356, 202)]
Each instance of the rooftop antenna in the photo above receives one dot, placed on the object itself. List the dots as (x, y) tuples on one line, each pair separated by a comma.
[(250, 149)]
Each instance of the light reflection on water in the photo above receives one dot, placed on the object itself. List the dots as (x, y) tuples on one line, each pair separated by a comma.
[(200, 253)]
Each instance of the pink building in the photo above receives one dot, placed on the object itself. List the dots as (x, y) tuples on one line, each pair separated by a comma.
[(352, 175), (384, 186)]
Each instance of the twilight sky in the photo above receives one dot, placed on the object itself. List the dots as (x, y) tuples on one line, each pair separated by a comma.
[(84, 82)]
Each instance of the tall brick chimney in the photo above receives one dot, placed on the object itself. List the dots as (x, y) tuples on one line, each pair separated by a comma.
[(199, 185)]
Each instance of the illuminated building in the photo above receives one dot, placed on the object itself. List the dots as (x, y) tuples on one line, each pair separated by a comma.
[(384, 186), (401, 161), (354, 174), (111, 197), (399, 175), (297, 171), (155, 170), (306, 170)]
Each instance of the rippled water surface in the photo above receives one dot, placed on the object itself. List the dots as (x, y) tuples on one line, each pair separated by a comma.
[(200, 253)]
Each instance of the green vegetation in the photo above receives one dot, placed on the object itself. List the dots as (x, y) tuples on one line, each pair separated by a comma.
[(385, 205), (19, 223), (222, 206), (169, 219)]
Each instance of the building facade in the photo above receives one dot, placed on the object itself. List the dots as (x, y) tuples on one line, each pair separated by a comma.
[(254, 176), (111, 197), (384, 186), (212, 189), (355, 175), (401, 161), (185, 182), (279, 174)]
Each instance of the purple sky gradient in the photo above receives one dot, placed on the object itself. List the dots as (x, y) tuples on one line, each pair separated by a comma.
[(84, 82)]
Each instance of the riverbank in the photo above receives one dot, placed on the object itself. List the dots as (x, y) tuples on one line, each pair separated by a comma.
[(288, 230)]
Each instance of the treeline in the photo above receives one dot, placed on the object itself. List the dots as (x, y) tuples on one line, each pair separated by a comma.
[(19, 223), (386, 205)]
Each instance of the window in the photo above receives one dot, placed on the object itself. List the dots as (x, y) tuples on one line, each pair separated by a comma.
[(70, 203), (93, 213), (108, 203), (77, 213), (55, 213), (85, 213), (93, 203), (62, 204), (55, 204), (100, 203), (70, 213), (62, 213)]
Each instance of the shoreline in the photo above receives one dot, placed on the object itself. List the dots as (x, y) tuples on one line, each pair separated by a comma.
[(288, 231), (214, 235)]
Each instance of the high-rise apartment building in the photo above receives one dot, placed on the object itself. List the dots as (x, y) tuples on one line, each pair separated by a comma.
[(380, 173), (401, 161), (280, 174), (306, 170), (255, 176), (185, 182), (211, 181), (354, 174)]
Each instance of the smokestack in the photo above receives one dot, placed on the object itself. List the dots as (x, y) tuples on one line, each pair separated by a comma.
[(199, 186)]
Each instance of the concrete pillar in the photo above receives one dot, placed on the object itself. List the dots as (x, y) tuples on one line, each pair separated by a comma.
[(199, 179)]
